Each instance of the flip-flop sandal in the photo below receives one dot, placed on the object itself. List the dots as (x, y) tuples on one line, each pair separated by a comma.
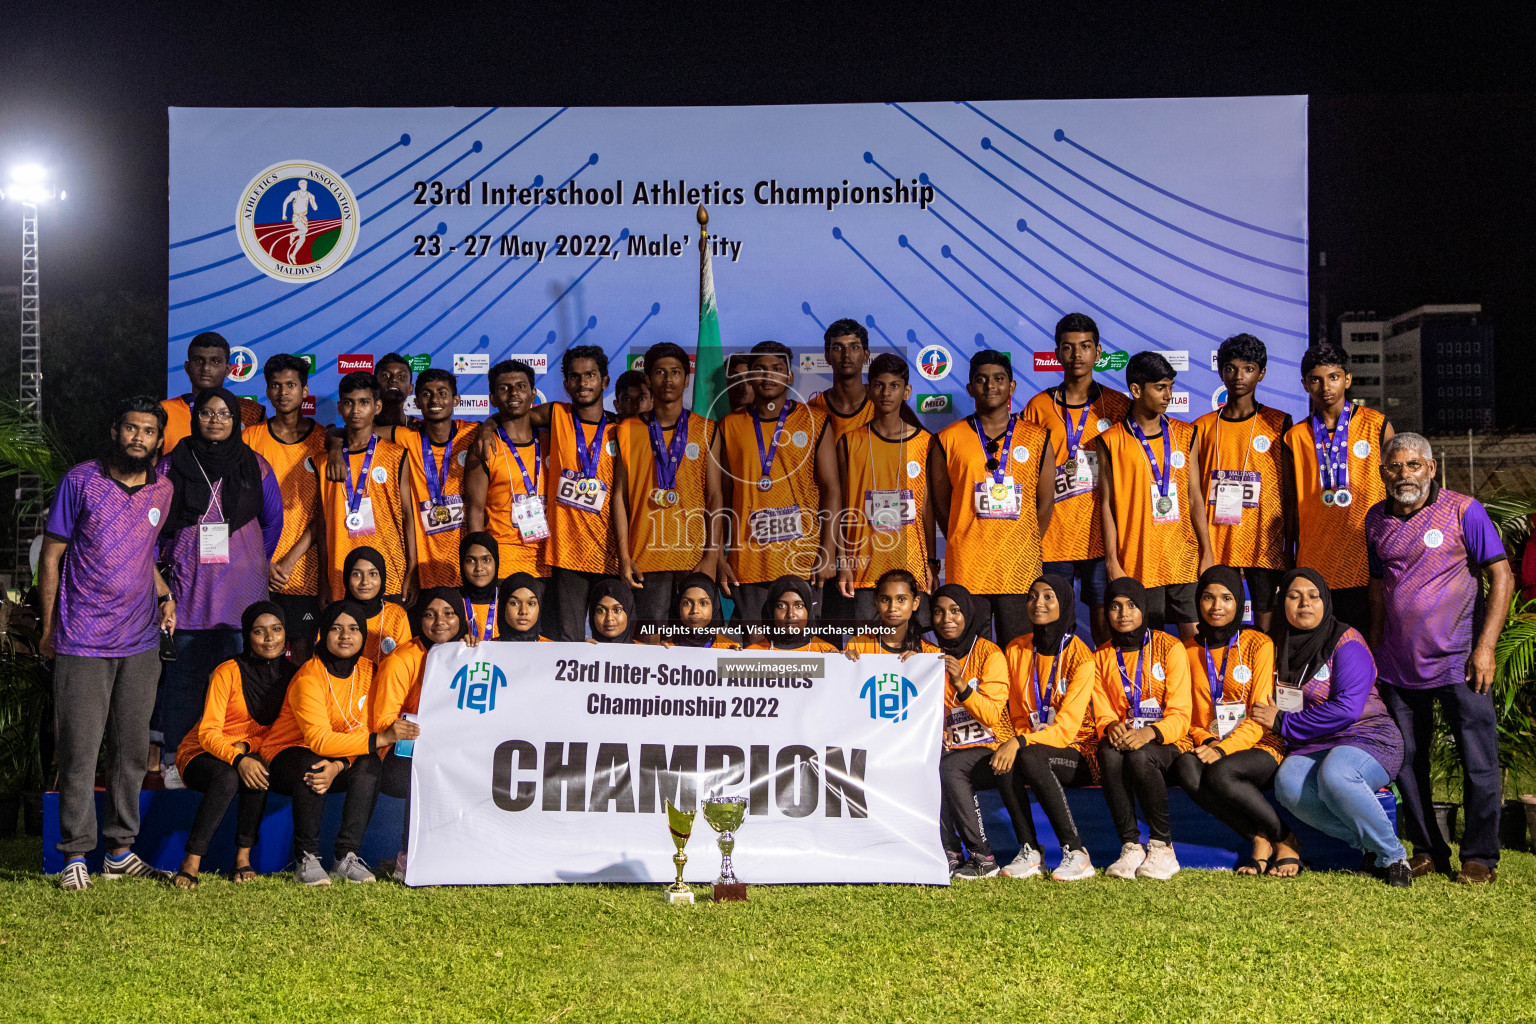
[(1282, 862), (1258, 864), (190, 883), (245, 874)]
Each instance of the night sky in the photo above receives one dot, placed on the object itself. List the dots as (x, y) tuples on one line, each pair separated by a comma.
[(1423, 125)]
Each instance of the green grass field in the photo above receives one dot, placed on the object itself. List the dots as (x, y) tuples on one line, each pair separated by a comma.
[(1204, 947)]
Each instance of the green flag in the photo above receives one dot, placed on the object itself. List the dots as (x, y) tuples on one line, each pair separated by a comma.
[(709, 358)]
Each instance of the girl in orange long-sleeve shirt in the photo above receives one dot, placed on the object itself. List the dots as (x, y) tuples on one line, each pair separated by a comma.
[(397, 690), (388, 626), (1234, 757), (1141, 712), (321, 742), (696, 605), (1050, 688), (788, 620), (221, 757), (519, 610)]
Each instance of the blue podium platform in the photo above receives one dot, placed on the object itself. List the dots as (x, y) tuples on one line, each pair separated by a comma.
[(1198, 839)]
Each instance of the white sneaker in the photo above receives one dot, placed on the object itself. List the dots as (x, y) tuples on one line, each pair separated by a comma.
[(307, 871), (1075, 866), (1025, 865), (75, 878), (1131, 857), (171, 778), (1160, 862), (352, 869)]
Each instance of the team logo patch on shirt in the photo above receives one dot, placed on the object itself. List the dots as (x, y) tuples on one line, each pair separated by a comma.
[(1158, 672), (387, 645), (1362, 449), (800, 439), (612, 447), (1176, 460), (1261, 444), (1020, 453), (1323, 674), (154, 517), (913, 469), (1242, 673), (692, 451), (463, 457), (1433, 538), (309, 464), (297, 221), (380, 475), (1103, 424)]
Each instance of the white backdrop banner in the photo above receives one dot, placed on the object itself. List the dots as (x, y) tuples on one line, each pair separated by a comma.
[(550, 763)]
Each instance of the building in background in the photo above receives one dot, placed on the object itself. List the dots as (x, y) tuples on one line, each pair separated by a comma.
[(1361, 334), (1437, 370)]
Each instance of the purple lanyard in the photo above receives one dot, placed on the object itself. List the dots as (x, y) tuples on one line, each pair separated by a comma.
[(1002, 457), (1074, 435), (1134, 696), (1219, 683), (474, 625), (1034, 667), (1160, 475), (587, 454), (765, 453), (435, 473), (1332, 465), (530, 486), (355, 492), (670, 459)]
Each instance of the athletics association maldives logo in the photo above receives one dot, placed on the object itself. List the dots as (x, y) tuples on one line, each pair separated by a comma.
[(297, 221), (933, 362), (242, 364)]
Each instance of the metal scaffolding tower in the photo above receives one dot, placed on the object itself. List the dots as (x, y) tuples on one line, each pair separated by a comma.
[(29, 512)]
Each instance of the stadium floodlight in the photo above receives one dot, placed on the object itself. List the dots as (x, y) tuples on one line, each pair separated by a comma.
[(29, 184)]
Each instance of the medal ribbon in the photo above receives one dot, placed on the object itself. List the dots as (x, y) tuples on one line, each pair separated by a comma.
[(1332, 466), (587, 454), (1074, 435), (1007, 442), (435, 473), (531, 486), (765, 453), (1219, 682), (1134, 696), (1160, 476), (1034, 667), (355, 492), (474, 625), (670, 459)]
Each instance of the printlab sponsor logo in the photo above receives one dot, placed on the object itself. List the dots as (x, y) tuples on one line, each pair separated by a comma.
[(888, 695), (471, 362), (538, 362), (1046, 362), (1214, 367), (354, 362), (297, 221), (934, 362), (242, 364), (1180, 403), (1178, 359), (935, 403), (477, 685), (467, 405)]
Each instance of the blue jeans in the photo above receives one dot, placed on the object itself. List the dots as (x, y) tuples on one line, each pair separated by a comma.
[(184, 687), (1334, 791)]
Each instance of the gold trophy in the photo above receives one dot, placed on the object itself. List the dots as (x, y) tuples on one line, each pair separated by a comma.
[(725, 815), (681, 827)]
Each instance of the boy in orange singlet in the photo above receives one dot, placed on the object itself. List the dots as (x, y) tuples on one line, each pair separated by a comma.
[(504, 490), (207, 365)]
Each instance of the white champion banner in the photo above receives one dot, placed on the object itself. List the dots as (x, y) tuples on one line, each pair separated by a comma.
[(551, 763)]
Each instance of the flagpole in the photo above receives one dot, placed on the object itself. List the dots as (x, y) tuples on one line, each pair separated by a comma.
[(709, 356)]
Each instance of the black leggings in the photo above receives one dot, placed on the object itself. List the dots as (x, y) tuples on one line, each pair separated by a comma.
[(961, 774), (395, 781), (1142, 772), (359, 781), (1231, 790), (219, 783), (1050, 772)]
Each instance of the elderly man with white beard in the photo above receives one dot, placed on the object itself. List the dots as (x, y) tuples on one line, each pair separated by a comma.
[(1428, 548)]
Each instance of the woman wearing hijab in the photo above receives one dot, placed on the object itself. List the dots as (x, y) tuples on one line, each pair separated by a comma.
[(221, 758), (1234, 757), (223, 525), (519, 611), (1341, 744), (1051, 676), (364, 574), (611, 612), (788, 621), (696, 607), (438, 619), (321, 743), (975, 722), (896, 603), (1141, 709), (479, 565)]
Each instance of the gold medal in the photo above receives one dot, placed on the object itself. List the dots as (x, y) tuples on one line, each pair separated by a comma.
[(999, 492), (440, 515)]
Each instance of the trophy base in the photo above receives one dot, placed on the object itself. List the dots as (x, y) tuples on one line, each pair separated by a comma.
[(728, 893), (679, 897)]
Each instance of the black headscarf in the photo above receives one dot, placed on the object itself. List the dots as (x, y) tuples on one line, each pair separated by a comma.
[(621, 592), (1300, 652), (782, 637), (1230, 578), (339, 667), (197, 463), (505, 631), (705, 636), (373, 558), (1130, 587), (263, 681), (961, 645), (1048, 637), (450, 597), (487, 593)]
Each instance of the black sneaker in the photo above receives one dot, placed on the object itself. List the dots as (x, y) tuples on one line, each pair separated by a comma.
[(1399, 875), (1369, 869), (976, 867)]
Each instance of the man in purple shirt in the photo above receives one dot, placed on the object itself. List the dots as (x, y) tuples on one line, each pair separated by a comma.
[(102, 620), (1428, 548)]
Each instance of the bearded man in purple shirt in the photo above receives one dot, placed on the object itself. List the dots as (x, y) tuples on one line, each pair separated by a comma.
[(1434, 641), (104, 607)]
